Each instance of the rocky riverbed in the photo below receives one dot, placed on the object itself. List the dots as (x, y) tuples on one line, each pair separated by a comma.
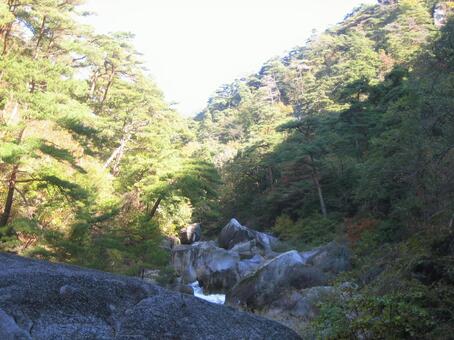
[(42, 300), (247, 266)]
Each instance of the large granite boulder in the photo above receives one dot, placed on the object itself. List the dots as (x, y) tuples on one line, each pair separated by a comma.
[(332, 258), (249, 266), (40, 300), (234, 233), (296, 308), (246, 250), (263, 286), (215, 268), (190, 234)]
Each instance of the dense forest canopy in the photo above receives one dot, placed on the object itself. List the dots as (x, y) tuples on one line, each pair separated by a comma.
[(349, 136), (94, 164)]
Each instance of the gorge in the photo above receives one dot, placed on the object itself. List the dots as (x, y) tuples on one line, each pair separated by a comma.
[(311, 199)]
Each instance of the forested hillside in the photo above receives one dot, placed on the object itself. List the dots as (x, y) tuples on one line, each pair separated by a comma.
[(348, 137), (94, 166), (355, 121), (351, 137)]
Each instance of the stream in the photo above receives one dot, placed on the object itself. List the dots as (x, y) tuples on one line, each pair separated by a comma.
[(213, 298)]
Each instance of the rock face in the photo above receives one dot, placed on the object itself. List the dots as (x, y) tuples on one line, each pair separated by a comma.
[(296, 308), (40, 300), (288, 287), (285, 271), (215, 268), (332, 258), (190, 234), (442, 12), (234, 233), (387, 2)]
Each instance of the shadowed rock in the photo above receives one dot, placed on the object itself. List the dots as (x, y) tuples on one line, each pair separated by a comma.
[(296, 308), (332, 258), (215, 268), (190, 234), (40, 300), (263, 286), (234, 233)]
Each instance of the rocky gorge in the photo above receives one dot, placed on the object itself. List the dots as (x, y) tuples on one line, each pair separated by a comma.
[(256, 275), (42, 300)]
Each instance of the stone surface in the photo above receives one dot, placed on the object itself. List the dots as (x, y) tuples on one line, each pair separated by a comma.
[(332, 258), (246, 250), (215, 268), (41, 300), (190, 234), (261, 287), (296, 308), (249, 266), (234, 233), (442, 13)]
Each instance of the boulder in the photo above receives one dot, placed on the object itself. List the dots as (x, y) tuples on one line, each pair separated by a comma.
[(215, 268), (190, 234), (246, 250), (441, 13), (261, 287), (248, 266), (234, 233), (332, 258), (169, 242), (41, 300), (296, 308), (151, 275)]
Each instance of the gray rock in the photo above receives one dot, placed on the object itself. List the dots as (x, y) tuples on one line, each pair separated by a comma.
[(296, 308), (41, 300), (215, 268), (9, 330), (246, 250), (285, 271), (169, 242), (190, 234), (234, 233), (151, 275), (249, 266), (387, 2), (332, 258), (441, 14)]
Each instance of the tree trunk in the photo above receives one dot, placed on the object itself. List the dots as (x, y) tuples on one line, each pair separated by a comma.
[(11, 188), (9, 197), (118, 153), (320, 195), (155, 207), (6, 37), (6, 29), (94, 82), (319, 188), (270, 177), (40, 37), (106, 91)]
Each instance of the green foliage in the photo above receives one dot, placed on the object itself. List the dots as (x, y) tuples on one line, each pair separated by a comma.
[(167, 276), (313, 230), (357, 123), (95, 168), (383, 317), (88, 145)]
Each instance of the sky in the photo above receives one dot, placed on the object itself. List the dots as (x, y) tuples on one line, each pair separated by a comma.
[(191, 47)]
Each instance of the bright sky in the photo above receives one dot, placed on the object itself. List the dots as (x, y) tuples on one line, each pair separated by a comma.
[(193, 46)]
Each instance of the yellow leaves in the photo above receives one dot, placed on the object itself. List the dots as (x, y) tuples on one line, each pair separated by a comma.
[(6, 16)]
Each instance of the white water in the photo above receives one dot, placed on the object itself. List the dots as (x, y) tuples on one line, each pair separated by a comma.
[(214, 298)]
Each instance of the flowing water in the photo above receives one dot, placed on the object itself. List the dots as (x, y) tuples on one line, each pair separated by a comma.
[(214, 298)]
